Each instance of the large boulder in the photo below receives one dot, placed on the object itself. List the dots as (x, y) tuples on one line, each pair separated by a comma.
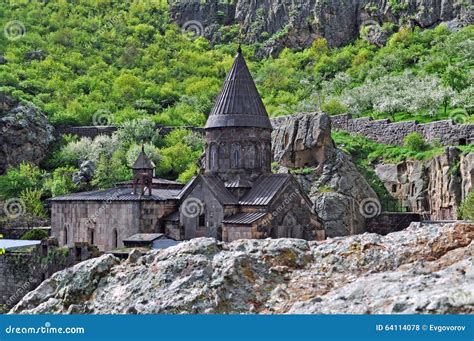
[(342, 198), (423, 269), (25, 133)]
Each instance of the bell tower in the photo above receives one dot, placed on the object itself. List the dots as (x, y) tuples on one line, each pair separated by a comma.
[(238, 130), (143, 173)]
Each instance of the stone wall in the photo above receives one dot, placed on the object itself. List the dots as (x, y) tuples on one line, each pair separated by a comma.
[(384, 131), (18, 231), (23, 270), (94, 131), (106, 223), (388, 222)]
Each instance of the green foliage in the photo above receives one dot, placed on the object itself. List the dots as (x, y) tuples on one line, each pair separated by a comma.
[(415, 142), (109, 171), (35, 234), (334, 107), (466, 211), (16, 180), (61, 182), (33, 205)]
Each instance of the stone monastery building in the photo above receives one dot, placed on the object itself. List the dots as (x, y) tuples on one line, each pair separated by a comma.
[(235, 196)]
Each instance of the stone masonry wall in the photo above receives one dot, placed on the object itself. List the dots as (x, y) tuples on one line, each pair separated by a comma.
[(384, 131), (23, 270)]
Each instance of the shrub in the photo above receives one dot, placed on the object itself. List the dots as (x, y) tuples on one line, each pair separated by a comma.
[(35, 234), (334, 107), (33, 205), (466, 211), (18, 179), (415, 142)]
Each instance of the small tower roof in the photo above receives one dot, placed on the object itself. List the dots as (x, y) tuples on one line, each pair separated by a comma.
[(239, 103), (143, 162)]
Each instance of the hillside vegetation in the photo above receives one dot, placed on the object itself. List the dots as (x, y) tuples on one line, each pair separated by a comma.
[(110, 61), (103, 62)]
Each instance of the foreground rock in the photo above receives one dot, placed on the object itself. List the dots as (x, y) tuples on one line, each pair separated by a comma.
[(342, 198), (24, 133), (424, 269)]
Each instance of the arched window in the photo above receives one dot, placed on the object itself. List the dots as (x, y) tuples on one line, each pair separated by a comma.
[(65, 235), (115, 239), (214, 157), (91, 237), (250, 156), (235, 156)]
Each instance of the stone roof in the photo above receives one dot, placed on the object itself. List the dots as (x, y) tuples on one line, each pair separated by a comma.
[(244, 218), (239, 103), (143, 161), (265, 189), (120, 194), (215, 185), (144, 237)]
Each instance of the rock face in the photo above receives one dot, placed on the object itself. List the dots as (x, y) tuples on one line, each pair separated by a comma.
[(424, 269), (296, 24), (436, 187), (25, 133), (342, 198)]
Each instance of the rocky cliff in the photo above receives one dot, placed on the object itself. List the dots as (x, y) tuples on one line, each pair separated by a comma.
[(342, 198), (436, 187), (24, 133), (424, 269), (295, 24)]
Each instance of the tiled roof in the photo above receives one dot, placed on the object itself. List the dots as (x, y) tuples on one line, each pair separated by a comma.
[(244, 218), (265, 189), (239, 103), (238, 183), (120, 194)]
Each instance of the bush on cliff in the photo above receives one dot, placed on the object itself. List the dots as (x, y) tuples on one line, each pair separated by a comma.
[(466, 211)]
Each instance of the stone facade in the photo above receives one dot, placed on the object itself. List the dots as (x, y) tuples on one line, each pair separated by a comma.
[(384, 131), (23, 270), (106, 224), (238, 151)]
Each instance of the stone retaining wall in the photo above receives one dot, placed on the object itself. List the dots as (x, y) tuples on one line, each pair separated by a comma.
[(23, 270), (388, 222), (384, 131)]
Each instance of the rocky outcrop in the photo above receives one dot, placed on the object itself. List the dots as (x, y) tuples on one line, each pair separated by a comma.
[(424, 269), (435, 187), (296, 24), (25, 133), (342, 198)]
